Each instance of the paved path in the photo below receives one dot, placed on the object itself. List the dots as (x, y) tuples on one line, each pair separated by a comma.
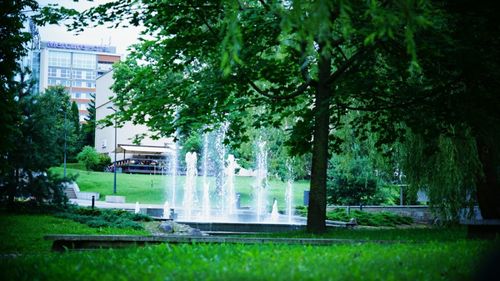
[(102, 204)]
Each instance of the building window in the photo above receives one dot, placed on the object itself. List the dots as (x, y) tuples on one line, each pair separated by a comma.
[(82, 106), (77, 74), (104, 66), (86, 61), (65, 73), (90, 75), (77, 83), (52, 72), (59, 59), (83, 96)]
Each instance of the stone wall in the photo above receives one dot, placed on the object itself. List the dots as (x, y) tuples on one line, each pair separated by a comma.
[(419, 213)]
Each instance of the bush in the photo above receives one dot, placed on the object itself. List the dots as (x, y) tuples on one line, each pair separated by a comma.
[(89, 157), (93, 160), (371, 219), (105, 218), (104, 161)]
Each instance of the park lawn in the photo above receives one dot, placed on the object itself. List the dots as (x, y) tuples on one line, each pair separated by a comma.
[(155, 189), (371, 261), (24, 233), (423, 254)]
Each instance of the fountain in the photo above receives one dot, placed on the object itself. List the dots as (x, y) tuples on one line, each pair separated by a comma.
[(230, 198), (261, 183), (218, 206), (173, 169), (289, 193), (137, 208), (274, 212), (166, 210), (189, 186), (205, 208)]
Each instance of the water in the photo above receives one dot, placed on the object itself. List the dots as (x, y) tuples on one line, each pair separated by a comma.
[(289, 193), (174, 163), (137, 208), (166, 210), (219, 168), (219, 201), (205, 209), (261, 183), (289, 200), (190, 184), (274, 212), (229, 187)]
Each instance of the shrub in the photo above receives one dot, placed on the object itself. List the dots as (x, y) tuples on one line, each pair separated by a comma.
[(371, 219), (105, 218), (104, 161), (89, 157)]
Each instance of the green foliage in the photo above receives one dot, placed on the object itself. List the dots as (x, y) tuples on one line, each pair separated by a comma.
[(12, 49), (362, 217), (353, 188), (371, 219), (40, 145), (446, 174), (88, 128), (89, 157), (104, 161), (105, 218)]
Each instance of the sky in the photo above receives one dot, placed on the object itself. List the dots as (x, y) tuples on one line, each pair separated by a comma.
[(120, 38)]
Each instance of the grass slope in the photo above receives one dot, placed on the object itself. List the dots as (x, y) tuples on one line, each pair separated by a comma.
[(155, 189)]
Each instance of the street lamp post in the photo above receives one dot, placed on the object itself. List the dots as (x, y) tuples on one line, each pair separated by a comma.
[(114, 166)]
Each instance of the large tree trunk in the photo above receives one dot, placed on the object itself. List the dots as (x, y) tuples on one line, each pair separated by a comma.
[(317, 197), (488, 186)]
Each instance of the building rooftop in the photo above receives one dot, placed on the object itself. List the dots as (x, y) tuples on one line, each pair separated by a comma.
[(79, 47)]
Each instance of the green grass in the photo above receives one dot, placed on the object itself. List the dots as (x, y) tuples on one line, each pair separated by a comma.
[(24, 233), (439, 254), (155, 189), (430, 261), (76, 166)]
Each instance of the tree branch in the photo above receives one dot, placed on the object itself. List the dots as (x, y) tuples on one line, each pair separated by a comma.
[(343, 69), (300, 90)]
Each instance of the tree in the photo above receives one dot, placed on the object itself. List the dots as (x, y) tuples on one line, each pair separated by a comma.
[(39, 143), (89, 157), (74, 134), (450, 135), (88, 128), (13, 40), (211, 62)]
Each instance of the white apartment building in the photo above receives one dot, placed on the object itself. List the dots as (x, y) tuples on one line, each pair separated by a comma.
[(105, 137)]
